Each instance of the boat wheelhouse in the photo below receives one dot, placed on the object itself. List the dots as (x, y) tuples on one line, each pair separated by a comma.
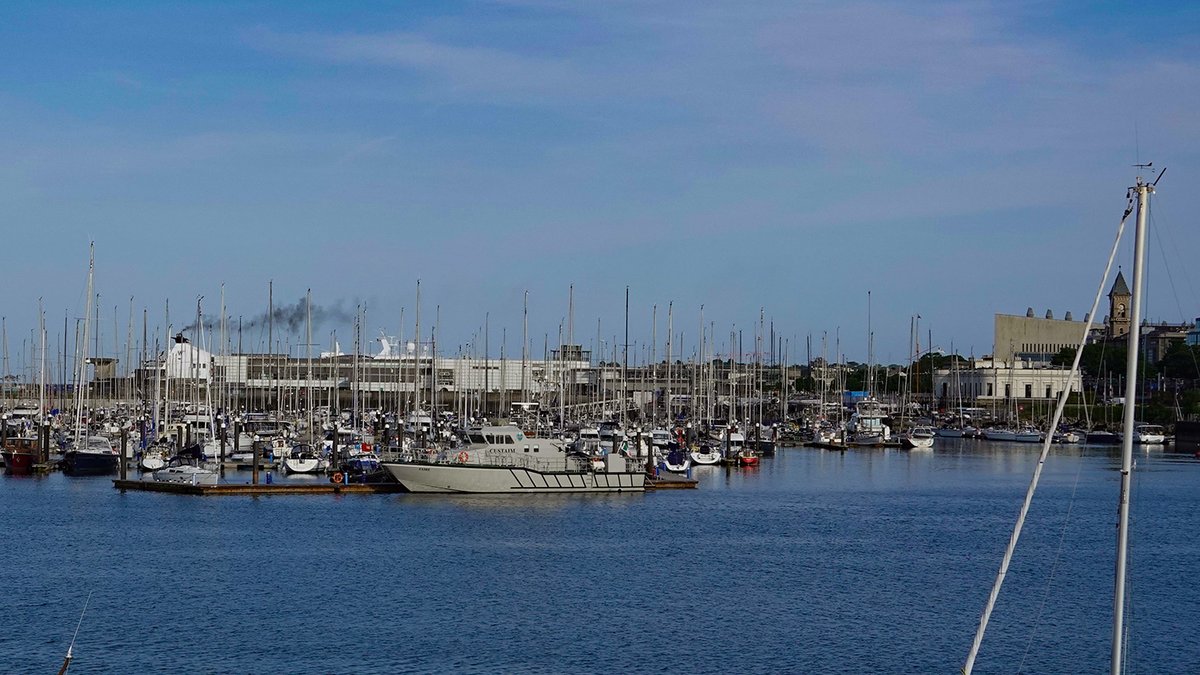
[(503, 459)]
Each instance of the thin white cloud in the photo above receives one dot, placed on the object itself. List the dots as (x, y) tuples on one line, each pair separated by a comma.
[(453, 68)]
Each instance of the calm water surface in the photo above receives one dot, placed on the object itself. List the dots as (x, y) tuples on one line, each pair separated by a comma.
[(817, 561)]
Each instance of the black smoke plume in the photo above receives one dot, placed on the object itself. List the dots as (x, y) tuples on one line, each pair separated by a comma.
[(285, 319)]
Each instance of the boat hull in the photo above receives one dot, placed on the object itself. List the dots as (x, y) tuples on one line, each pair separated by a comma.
[(76, 463), (186, 475), (18, 463), (301, 465), (450, 478)]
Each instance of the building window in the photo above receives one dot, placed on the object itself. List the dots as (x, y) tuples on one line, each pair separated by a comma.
[(1029, 391), (989, 389), (1008, 391)]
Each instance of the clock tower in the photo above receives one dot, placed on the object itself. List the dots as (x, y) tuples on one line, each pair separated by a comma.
[(1118, 307)]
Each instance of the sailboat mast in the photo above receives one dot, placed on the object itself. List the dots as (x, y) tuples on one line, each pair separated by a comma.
[(81, 370), (1131, 357)]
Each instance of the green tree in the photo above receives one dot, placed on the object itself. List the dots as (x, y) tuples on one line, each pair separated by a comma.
[(1181, 362)]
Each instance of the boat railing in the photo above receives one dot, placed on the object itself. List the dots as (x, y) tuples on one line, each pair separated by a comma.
[(521, 461)]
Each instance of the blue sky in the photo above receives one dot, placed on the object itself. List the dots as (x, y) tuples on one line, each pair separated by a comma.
[(954, 159)]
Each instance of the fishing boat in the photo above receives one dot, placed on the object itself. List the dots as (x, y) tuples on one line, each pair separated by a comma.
[(502, 459), (20, 454), (1142, 191)]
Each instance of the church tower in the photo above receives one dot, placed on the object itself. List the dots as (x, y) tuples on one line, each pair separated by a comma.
[(1118, 307)]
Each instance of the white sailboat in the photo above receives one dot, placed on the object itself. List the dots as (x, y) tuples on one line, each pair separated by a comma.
[(1141, 192)]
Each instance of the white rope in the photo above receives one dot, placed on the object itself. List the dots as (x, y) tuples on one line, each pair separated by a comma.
[(1037, 471)]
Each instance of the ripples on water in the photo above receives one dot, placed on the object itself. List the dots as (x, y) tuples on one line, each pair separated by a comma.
[(817, 561)]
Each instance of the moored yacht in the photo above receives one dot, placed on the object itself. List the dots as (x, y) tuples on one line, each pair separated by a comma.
[(303, 459), (501, 459), (93, 456), (866, 425), (918, 438), (1149, 434), (1028, 434), (20, 454)]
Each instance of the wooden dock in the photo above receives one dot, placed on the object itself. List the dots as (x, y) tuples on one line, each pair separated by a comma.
[(256, 490)]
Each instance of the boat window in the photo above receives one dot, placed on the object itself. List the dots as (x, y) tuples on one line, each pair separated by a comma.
[(509, 440), (527, 448), (476, 438), (491, 438)]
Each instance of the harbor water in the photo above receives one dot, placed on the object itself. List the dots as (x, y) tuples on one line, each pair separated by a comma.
[(862, 561)]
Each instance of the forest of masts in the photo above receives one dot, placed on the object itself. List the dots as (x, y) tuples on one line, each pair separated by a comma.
[(726, 377)]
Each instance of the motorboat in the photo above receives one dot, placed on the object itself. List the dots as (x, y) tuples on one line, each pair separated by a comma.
[(1149, 434), (866, 425), (93, 456), (1068, 436), (747, 457), (918, 438), (502, 459)]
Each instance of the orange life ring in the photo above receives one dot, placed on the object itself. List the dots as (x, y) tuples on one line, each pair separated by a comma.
[(337, 477), (463, 457)]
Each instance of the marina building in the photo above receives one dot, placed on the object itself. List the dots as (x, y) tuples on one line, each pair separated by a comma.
[(1034, 339), (988, 380)]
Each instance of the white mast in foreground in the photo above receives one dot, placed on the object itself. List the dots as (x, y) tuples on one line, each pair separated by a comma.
[(1131, 362)]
